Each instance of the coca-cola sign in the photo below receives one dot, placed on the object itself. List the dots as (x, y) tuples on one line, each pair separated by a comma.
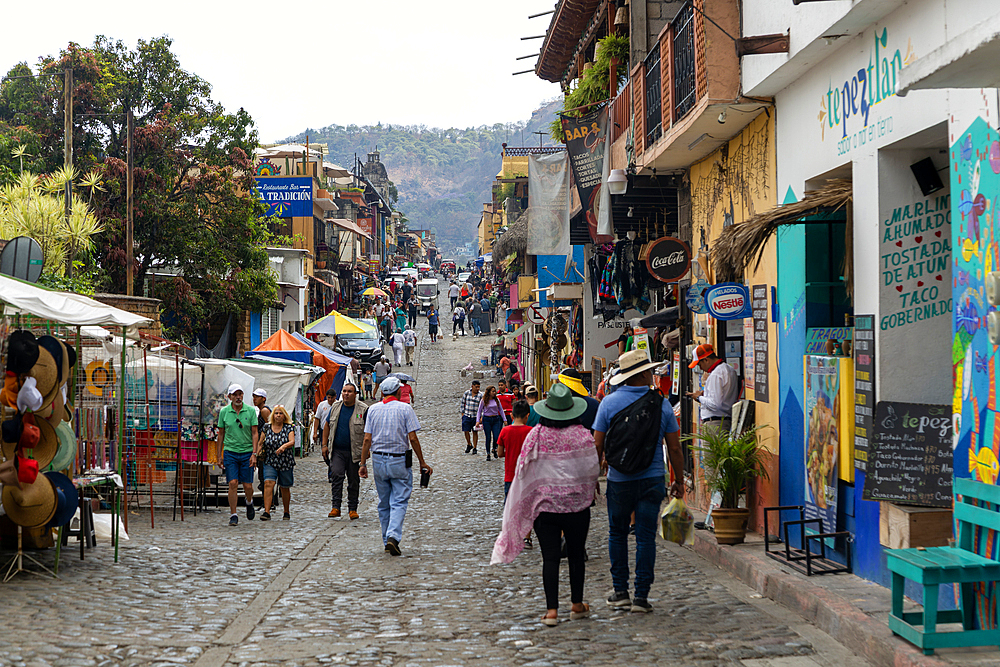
[(668, 259)]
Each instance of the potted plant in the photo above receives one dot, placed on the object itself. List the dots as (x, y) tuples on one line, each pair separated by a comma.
[(730, 463)]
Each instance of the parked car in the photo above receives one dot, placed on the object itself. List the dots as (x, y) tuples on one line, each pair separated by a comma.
[(366, 347), (463, 277), (427, 294)]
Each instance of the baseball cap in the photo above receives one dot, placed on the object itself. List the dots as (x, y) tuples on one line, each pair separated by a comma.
[(390, 385), (233, 388), (703, 351), (260, 392)]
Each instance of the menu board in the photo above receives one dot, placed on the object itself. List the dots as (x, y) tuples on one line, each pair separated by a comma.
[(596, 374), (864, 387), (910, 459), (760, 320)]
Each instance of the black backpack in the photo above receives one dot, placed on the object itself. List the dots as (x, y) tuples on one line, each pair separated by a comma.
[(634, 434)]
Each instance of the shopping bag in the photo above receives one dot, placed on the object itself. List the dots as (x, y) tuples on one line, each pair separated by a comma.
[(677, 523)]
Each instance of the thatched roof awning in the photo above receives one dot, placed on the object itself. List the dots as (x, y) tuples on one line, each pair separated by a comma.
[(743, 243), (515, 239)]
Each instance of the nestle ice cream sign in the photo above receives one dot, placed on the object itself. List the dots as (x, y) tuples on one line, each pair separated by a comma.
[(728, 301)]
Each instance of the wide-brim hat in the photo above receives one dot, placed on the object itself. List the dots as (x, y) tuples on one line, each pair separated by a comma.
[(22, 351), (66, 451), (46, 370), (32, 505), (576, 384), (632, 363), (561, 404), (66, 499), (43, 452)]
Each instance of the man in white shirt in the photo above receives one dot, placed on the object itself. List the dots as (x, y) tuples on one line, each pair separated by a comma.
[(453, 293), (410, 343), (721, 388)]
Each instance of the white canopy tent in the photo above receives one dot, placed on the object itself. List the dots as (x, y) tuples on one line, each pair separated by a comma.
[(64, 307)]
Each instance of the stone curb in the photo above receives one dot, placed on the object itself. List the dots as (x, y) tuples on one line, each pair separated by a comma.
[(866, 636)]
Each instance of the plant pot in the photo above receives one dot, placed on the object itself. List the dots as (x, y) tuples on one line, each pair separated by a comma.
[(730, 525)]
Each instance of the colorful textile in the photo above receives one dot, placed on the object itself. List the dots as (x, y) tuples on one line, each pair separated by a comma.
[(556, 472)]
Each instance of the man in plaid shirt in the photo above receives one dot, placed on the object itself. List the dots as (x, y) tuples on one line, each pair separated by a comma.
[(469, 406)]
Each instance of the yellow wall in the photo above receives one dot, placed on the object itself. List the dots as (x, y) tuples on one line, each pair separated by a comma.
[(514, 166), (738, 181)]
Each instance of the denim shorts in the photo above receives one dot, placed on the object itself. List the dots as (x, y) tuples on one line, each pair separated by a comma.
[(468, 423), (285, 478), (237, 467)]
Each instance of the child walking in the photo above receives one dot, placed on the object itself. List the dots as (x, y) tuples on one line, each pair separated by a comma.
[(509, 446)]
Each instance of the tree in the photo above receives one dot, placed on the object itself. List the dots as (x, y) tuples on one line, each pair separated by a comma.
[(196, 216)]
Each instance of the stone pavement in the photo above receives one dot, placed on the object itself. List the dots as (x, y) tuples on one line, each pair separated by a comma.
[(316, 591)]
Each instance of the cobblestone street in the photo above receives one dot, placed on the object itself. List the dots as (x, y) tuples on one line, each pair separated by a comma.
[(313, 590)]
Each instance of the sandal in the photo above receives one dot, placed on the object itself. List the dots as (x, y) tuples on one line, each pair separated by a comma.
[(550, 621), (577, 615)]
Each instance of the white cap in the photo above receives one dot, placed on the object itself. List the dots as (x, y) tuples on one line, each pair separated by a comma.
[(260, 392), (233, 388), (390, 385)]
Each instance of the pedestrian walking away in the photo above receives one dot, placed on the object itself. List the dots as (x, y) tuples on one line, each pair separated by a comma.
[(236, 446), (552, 491), (343, 439), (453, 293), (400, 317), (640, 491), (405, 391), (278, 451), (391, 440), (491, 417), (458, 320), (432, 323), (413, 304), (381, 370), (468, 407), (721, 389), (571, 378), (410, 344), (475, 317), (398, 345)]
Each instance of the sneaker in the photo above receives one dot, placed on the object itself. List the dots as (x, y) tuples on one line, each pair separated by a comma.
[(475, 451), (286, 516), (353, 515), (527, 543), (265, 516), (641, 606), (487, 455), (250, 511), (392, 546), (334, 513), (234, 520), (620, 599), (468, 448)]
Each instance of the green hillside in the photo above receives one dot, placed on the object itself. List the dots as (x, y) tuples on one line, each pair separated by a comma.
[(443, 175)]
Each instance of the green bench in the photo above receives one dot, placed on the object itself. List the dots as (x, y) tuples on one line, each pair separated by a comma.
[(933, 566)]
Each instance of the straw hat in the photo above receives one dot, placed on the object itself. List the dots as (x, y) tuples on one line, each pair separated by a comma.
[(561, 405), (43, 452), (66, 451), (632, 363), (33, 504), (66, 499)]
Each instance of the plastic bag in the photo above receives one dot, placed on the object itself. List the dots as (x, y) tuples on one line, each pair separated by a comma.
[(677, 523)]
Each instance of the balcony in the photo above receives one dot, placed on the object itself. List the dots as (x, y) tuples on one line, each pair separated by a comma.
[(690, 77)]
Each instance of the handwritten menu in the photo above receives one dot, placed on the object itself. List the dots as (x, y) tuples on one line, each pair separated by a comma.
[(910, 459), (864, 387), (760, 319)]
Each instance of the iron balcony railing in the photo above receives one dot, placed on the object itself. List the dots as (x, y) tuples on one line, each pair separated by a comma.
[(654, 112), (685, 93)]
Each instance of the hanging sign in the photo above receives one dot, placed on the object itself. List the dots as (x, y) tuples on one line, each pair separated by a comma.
[(286, 196), (668, 259), (695, 298), (728, 301), (675, 374), (534, 314), (585, 142), (641, 340)]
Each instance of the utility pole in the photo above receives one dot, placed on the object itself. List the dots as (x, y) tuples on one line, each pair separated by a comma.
[(68, 147), (129, 268)]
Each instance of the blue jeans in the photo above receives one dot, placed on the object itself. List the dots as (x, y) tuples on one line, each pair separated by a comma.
[(491, 429), (475, 325), (642, 496), (394, 483)]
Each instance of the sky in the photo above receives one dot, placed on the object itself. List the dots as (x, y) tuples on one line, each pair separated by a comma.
[(296, 64)]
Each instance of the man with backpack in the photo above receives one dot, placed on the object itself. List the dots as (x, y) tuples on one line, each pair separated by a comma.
[(630, 426)]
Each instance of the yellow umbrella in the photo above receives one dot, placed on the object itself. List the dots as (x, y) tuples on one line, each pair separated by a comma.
[(336, 324), (373, 291)]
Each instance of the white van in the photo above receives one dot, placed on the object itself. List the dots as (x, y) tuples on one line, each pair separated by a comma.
[(427, 294)]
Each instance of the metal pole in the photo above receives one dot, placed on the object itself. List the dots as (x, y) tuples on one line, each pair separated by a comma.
[(129, 269), (68, 151)]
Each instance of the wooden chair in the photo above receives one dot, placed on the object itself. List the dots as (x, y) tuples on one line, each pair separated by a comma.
[(933, 566)]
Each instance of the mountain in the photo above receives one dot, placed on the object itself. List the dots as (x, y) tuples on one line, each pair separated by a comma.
[(443, 176)]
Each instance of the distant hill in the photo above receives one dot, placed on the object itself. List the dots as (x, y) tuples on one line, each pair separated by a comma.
[(443, 176)]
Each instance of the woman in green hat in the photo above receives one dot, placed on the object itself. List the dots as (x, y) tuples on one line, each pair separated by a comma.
[(552, 492)]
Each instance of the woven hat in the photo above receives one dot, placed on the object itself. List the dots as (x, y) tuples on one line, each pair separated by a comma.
[(47, 368), (67, 448), (66, 499), (632, 363), (561, 405), (32, 505), (43, 452)]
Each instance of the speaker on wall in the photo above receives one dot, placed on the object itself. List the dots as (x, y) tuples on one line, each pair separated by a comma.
[(927, 176)]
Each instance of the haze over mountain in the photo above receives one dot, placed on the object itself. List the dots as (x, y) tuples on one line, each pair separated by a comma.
[(443, 176)]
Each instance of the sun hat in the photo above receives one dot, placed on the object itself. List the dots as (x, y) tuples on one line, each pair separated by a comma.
[(32, 505), (571, 378), (43, 451), (66, 499), (632, 363), (260, 392), (22, 351), (67, 448), (561, 405), (390, 385), (701, 353)]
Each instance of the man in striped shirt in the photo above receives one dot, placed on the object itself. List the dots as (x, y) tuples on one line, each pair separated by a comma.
[(469, 406), (390, 432)]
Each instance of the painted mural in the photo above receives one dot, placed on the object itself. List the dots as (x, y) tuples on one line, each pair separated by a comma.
[(975, 183)]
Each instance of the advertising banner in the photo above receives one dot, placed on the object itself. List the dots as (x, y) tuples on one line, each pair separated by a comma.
[(864, 387), (585, 142), (286, 196), (761, 379), (668, 259), (728, 301), (822, 439), (548, 204)]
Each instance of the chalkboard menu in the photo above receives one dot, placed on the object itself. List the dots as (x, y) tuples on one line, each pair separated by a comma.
[(864, 387), (596, 374), (760, 320), (910, 459)]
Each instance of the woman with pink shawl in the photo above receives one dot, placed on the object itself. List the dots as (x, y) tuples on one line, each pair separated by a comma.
[(552, 492)]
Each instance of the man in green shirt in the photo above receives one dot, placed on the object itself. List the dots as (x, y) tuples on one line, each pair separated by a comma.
[(237, 447)]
